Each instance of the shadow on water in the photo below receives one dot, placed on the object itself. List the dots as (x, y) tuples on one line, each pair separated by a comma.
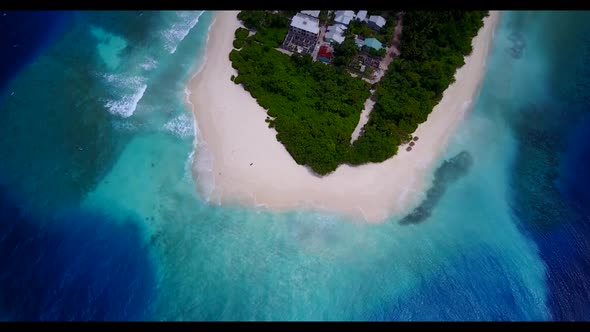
[(78, 267), (449, 172), (518, 45)]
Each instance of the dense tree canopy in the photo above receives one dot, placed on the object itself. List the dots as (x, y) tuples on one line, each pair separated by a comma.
[(270, 28), (240, 37), (345, 52), (433, 46), (315, 107)]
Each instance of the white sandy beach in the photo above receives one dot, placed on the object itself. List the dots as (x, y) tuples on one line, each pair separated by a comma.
[(232, 134)]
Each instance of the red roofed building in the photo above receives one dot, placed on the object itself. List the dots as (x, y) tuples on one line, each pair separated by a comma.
[(325, 54)]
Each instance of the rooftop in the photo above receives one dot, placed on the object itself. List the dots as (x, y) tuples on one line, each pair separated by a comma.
[(325, 51), (361, 15), (336, 33), (337, 27), (344, 16), (334, 36), (378, 20), (306, 23), (313, 13)]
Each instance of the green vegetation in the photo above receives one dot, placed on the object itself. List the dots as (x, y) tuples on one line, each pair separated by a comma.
[(323, 17), (433, 45), (315, 107), (380, 53), (263, 19), (241, 35), (270, 28), (384, 35), (331, 17), (344, 53)]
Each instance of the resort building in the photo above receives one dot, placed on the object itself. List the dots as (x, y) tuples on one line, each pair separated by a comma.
[(325, 54), (361, 15), (312, 13), (335, 33), (376, 22), (344, 16), (303, 34), (373, 43)]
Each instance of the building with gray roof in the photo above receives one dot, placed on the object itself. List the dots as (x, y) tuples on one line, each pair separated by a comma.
[(376, 22), (302, 36)]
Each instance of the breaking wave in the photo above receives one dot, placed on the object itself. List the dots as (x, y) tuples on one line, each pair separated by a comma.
[(126, 104), (179, 30), (181, 126)]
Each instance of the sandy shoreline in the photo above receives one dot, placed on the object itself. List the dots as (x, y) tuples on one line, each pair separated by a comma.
[(232, 134)]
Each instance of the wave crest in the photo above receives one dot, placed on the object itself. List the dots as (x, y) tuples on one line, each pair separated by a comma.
[(126, 104), (181, 126), (179, 30)]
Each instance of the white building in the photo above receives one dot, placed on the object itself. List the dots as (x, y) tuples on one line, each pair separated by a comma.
[(303, 34), (344, 16), (376, 22), (312, 13), (361, 15), (359, 42), (306, 23), (335, 33)]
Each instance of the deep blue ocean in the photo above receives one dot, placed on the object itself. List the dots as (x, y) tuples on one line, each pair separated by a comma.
[(25, 35), (100, 219)]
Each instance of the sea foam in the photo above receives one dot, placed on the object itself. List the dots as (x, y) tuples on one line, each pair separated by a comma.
[(179, 30), (125, 105), (149, 64), (181, 126)]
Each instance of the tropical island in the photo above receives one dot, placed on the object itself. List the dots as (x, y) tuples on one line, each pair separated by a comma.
[(314, 71), (238, 158)]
